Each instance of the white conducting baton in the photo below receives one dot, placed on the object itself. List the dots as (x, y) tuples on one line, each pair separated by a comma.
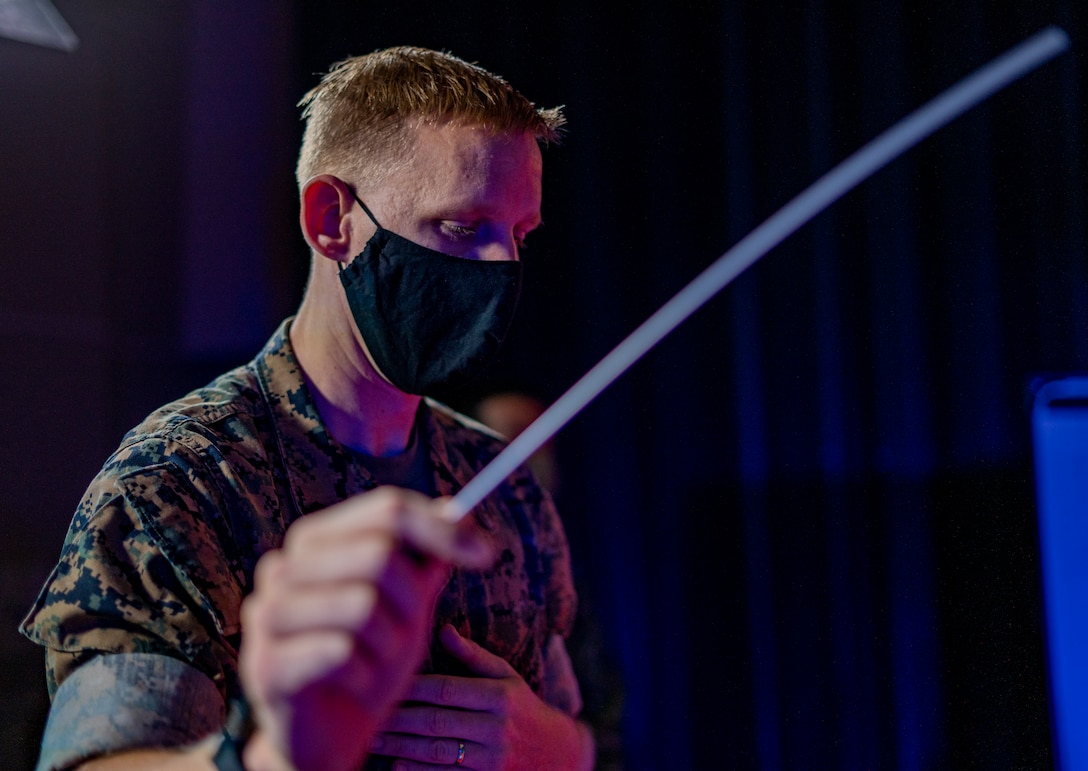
[(909, 131)]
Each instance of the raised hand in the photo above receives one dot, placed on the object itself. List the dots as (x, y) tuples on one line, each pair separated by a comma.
[(338, 623)]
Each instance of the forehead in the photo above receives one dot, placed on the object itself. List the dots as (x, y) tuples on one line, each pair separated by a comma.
[(471, 166)]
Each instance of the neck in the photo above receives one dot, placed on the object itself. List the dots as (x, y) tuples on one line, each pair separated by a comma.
[(359, 408)]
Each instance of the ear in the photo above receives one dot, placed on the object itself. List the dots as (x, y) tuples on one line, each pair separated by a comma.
[(323, 215)]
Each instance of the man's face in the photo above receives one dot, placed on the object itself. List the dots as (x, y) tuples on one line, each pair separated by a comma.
[(464, 192)]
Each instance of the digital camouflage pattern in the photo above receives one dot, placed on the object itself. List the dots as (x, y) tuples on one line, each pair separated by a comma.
[(162, 547)]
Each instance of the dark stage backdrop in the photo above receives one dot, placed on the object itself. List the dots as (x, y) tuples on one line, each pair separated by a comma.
[(803, 526)]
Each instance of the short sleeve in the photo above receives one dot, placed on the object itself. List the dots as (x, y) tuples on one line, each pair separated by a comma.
[(125, 583)]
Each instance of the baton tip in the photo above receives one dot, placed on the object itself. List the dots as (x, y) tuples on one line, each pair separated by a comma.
[(1057, 37)]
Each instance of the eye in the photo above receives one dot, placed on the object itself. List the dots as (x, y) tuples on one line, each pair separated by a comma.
[(457, 231)]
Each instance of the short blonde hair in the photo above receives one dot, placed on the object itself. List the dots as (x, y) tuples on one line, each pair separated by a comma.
[(358, 117)]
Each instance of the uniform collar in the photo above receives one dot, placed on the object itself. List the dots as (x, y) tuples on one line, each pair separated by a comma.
[(320, 471)]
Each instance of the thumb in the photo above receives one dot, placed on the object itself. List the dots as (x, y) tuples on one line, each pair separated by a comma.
[(479, 660)]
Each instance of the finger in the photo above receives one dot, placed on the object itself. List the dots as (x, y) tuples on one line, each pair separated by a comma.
[(387, 620), (470, 534), (479, 660), (376, 510), (326, 662), (351, 610), (314, 590), (435, 722), (397, 513), (435, 752), (465, 693), (288, 665), (346, 606), (356, 556), (465, 545)]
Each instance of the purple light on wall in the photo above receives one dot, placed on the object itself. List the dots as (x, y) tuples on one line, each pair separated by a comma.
[(237, 97)]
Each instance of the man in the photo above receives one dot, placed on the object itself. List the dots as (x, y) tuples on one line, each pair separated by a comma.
[(370, 625)]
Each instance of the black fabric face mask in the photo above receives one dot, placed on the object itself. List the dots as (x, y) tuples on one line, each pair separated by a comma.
[(430, 320)]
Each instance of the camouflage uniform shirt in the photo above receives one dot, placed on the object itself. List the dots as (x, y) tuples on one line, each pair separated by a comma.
[(162, 549)]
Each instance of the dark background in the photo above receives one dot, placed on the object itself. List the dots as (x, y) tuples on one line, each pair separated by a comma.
[(804, 526)]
